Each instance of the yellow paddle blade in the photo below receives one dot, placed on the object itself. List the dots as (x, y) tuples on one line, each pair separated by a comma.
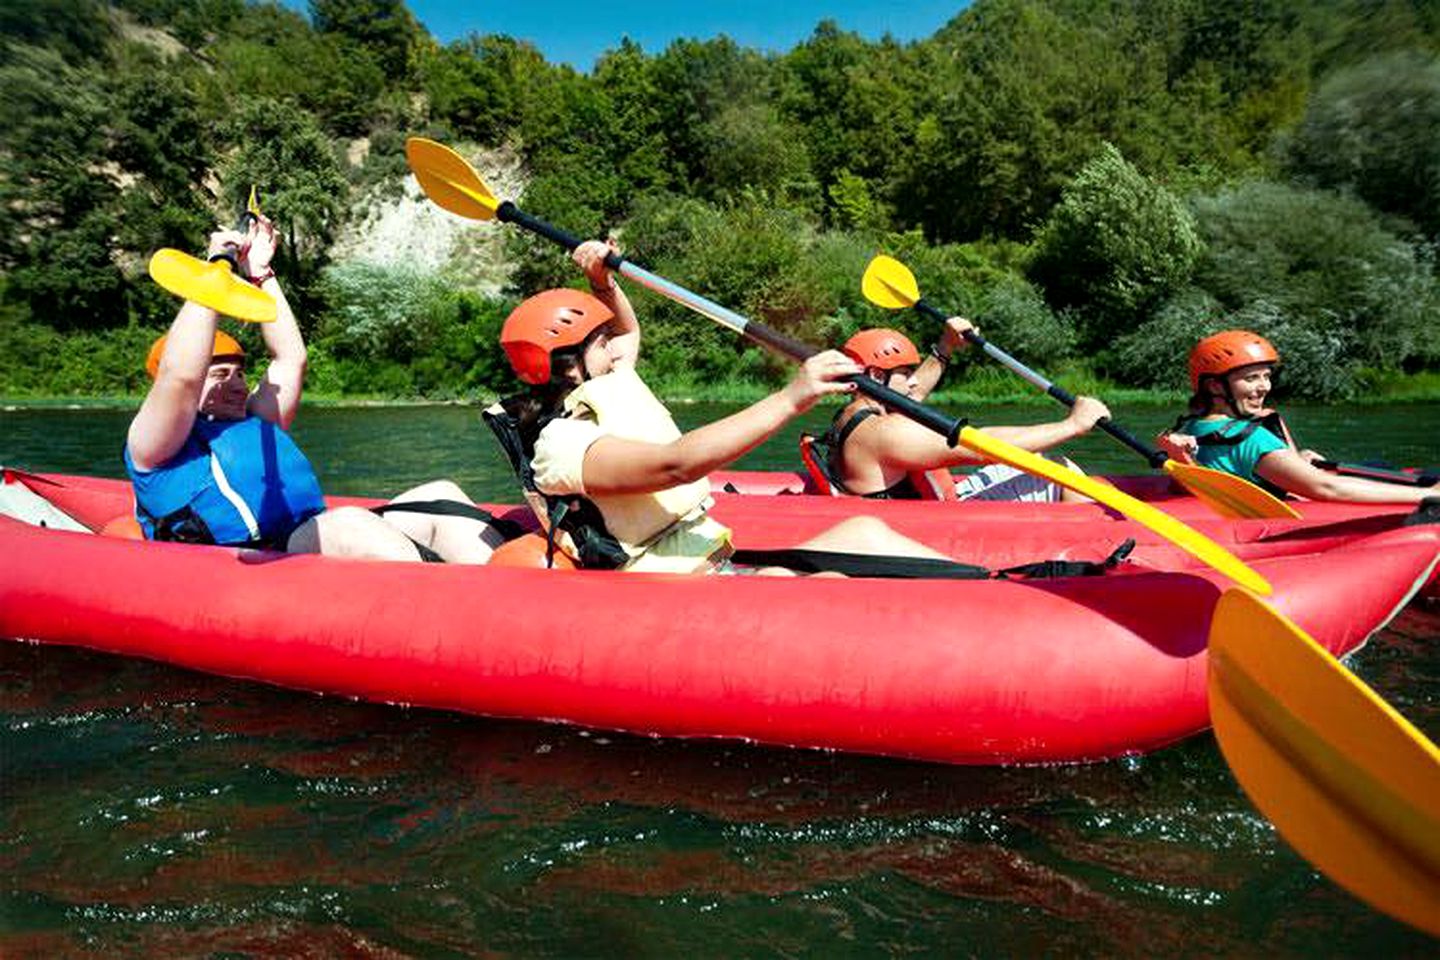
[(252, 205), (1352, 786), (1192, 541), (889, 283), (211, 284), (449, 180), (1229, 495)]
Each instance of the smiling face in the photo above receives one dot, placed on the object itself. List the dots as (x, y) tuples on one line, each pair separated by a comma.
[(225, 392), (1249, 387)]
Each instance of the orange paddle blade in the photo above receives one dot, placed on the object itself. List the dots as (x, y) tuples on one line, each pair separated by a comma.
[(1352, 786)]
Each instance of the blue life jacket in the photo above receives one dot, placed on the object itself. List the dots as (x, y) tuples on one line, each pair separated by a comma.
[(234, 482)]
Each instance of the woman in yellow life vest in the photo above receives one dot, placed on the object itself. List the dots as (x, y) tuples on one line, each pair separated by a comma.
[(1229, 427), (601, 447), (875, 453)]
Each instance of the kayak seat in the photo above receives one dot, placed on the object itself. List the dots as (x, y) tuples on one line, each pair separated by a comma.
[(529, 551), (815, 467), (123, 527)]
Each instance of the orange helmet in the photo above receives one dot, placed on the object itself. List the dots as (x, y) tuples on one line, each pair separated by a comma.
[(226, 347), (882, 347), (1228, 350), (548, 322)]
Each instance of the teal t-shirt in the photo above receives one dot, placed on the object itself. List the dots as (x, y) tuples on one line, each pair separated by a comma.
[(1239, 458)]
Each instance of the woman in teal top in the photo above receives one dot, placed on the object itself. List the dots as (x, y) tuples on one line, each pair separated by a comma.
[(1229, 427)]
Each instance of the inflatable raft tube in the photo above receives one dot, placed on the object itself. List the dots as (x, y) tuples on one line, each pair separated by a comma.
[(954, 671)]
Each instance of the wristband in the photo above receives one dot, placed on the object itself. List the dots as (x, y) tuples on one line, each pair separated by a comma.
[(935, 352)]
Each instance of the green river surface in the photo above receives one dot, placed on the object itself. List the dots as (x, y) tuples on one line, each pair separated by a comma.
[(154, 812)]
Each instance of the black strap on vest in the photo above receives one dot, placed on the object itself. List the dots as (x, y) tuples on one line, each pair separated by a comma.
[(829, 447), (923, 568), (1217, 438), (598, 549)]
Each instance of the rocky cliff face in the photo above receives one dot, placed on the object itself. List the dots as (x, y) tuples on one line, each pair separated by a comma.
[(410, 231)]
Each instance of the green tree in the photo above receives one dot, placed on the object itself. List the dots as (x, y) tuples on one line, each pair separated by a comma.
[(1374, 129), (385, 29), (637, 135), (283, 153), (75, 29), (1321, 263), (697, 80), (479, 86), (57, 196), (750, 145), (1023, 92), (277, 56), (1117, 244)]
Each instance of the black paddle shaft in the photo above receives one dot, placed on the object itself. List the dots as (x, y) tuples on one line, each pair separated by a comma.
[(1152, 456), (242, 225), (942, 423)]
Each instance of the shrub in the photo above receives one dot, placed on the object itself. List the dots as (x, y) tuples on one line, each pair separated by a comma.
[(1375, 129), (1154, 353), (395, 331), (1320, 262), (1116, 245)]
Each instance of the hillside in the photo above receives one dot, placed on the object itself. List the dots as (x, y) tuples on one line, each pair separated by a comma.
[(1098, 183)]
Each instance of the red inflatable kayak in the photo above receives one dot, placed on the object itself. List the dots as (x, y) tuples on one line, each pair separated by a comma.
[(984, 671)]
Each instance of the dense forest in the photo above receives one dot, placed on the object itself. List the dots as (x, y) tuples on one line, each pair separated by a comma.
[(1098, 182)]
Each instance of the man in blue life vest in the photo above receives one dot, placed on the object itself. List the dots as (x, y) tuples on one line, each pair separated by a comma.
[(211, 461)]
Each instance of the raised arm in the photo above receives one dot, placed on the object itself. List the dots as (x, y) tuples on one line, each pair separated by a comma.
[(625, 328), (933, 367), (276, 397), (168, 412), (613, 465)]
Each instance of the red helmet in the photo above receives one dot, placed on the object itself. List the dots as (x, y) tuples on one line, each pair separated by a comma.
[(1228, 350), (548, 322), (883, 348), (226, 348)]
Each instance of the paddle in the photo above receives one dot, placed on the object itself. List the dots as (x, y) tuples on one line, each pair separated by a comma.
[(1346, 780), (452, 183), (1422, 479), (889, 283), (215, 284)]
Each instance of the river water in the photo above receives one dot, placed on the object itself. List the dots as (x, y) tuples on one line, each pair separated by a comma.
[(149, 811)]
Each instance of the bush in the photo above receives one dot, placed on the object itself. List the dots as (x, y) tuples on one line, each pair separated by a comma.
[(37, 360), (980, 281), (753, 258), (1014, 315), (1374, 129), (1154, 354), (1323, 263), (394, 331), (1115, 246)]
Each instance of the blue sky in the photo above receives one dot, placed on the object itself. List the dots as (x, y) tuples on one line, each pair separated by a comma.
[(577, 33)]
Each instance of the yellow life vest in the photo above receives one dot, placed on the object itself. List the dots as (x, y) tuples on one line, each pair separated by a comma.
[(664, 531)]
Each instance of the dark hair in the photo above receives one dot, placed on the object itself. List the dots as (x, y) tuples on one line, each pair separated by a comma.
[(539, 405)]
